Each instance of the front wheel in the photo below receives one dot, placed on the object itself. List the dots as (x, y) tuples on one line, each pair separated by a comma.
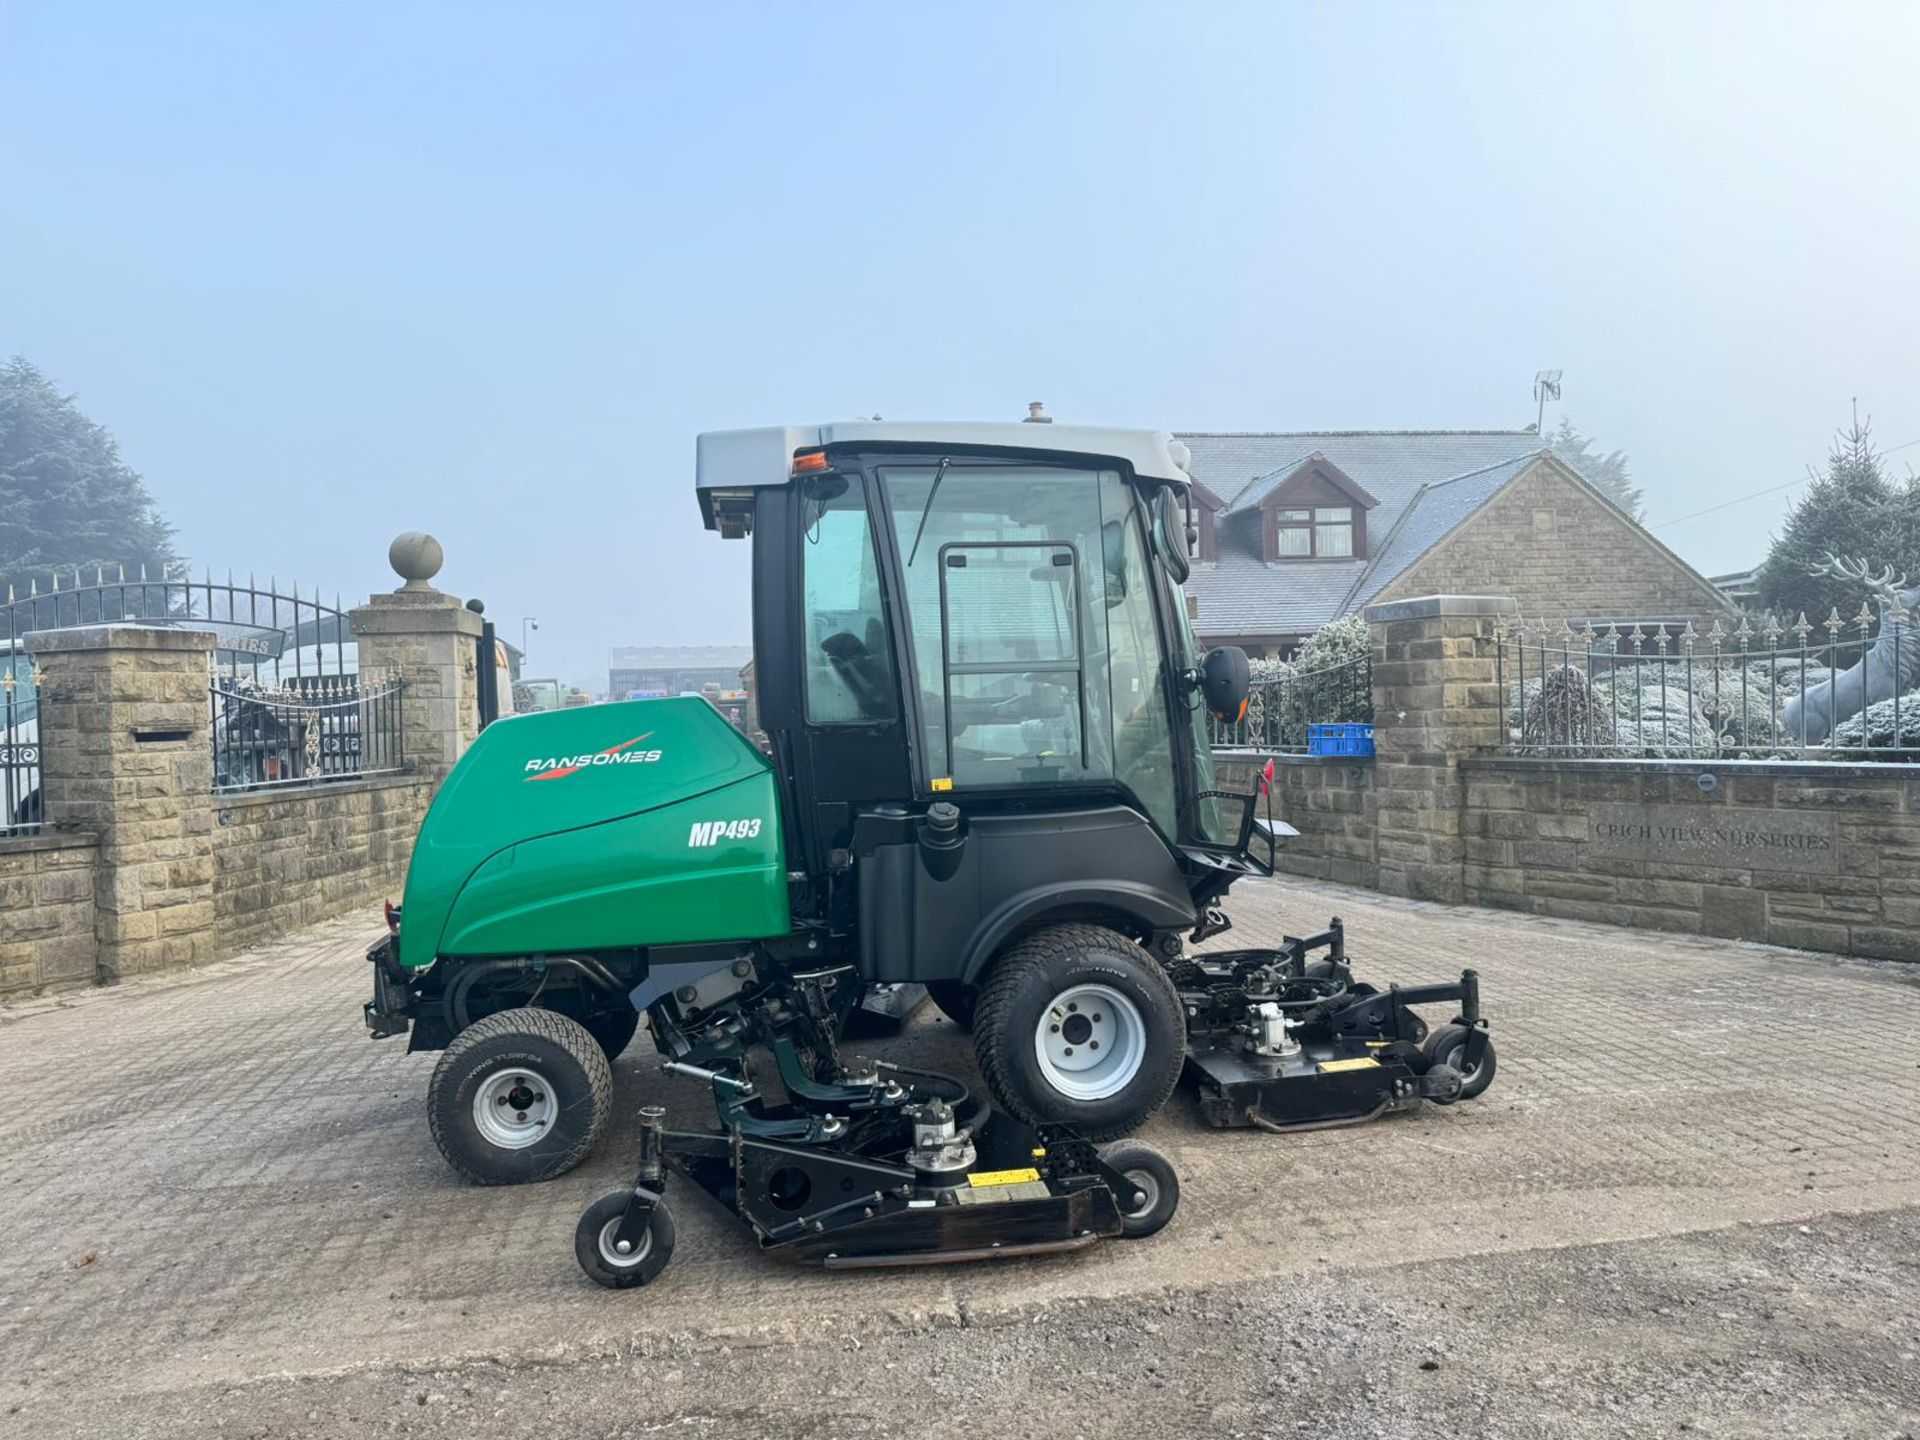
[(1078, 1025), (597, 1248), (520, 1095), (1157, 1181)]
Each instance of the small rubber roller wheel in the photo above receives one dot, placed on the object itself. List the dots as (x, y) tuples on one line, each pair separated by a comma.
[(1154, 1174), (598, 1252), (1448, 1046)]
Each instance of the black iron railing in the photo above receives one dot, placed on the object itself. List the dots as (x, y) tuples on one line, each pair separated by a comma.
[(1846, 689), (21, 791), (1280, 710), (329, 728)]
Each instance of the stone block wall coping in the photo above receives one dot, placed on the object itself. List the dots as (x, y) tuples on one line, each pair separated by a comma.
[(1244, 757), (414, 613), (246, 799), (1795, 769), (48, 840), (1426, 607), (119, 636)]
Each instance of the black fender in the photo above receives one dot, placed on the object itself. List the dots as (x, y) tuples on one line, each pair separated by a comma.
[(1152, 910)]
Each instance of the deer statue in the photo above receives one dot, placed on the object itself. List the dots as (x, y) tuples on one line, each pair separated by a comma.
[(1891, 667)]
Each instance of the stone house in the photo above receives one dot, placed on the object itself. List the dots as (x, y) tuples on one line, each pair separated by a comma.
[(1298, 529)]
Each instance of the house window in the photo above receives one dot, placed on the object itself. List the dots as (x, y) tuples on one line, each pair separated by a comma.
[(1295, 531), (1324, 532), (1333, 531)]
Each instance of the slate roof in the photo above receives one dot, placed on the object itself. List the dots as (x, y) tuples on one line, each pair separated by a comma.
[(1428, 482)]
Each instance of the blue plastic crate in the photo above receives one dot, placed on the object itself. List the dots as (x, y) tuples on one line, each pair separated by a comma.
[(1340, 739)]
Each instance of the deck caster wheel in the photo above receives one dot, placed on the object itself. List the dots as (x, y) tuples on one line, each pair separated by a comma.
[(1078, 1025), (599, 1254), (520, 1095), (1147, 1168), (1448, 1046)]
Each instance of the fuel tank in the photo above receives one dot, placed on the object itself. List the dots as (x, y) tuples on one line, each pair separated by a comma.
[(652, 822)]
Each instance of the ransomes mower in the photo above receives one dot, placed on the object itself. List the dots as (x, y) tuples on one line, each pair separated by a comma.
[(987, 771)]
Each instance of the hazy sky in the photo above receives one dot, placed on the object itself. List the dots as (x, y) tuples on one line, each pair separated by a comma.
[(486, 271)]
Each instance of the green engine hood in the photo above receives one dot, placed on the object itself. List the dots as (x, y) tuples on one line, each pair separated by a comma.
[(647, 823)]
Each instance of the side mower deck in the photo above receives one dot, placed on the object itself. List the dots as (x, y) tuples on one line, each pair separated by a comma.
[(1286, 1039)]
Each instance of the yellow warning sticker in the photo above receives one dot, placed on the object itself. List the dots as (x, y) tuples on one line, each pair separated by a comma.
[(1039, 1152), (982, 1179), (1335, 1067), (942, 782)]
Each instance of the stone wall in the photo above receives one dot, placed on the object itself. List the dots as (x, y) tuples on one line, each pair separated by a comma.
[(143, 867), (1560, 552), (1816, 856), (46, 899), (288, 858), (1329, 801)]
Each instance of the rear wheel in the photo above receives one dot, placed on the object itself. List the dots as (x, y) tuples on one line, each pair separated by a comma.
[(1077, 1024), (519, 1096)]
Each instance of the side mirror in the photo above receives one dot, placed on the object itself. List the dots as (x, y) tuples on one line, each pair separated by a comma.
[(1225, 680)]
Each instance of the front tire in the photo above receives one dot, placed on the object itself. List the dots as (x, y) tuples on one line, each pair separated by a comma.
[(1078, 1025), (519, 1096)]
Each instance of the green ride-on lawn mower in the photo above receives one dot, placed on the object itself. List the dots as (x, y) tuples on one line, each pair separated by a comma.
[(987, 772)]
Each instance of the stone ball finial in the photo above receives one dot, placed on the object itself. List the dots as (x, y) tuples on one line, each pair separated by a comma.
[(416, 558)]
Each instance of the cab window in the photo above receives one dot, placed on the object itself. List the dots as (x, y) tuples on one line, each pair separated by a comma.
[(849, 669)]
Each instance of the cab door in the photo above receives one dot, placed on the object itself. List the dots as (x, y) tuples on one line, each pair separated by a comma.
[(824, 660)]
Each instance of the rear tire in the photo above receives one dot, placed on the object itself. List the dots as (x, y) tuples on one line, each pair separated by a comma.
[(1051, 1003), (519, 1096), (593, 1244), (1153, 1173)]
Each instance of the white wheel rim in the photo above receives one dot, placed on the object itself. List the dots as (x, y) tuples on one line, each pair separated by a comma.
[(612, 1256), (1149, 1190), (1090, 1042), (514, 1108)]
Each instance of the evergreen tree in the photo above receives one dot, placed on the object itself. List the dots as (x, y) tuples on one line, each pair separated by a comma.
[(66, 496), (1852, 510), (1606, 473)]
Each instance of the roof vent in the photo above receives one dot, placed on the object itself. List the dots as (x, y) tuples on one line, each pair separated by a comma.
[(1037, 414)]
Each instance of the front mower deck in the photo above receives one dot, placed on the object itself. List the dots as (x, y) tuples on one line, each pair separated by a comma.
[(1286, 1039)]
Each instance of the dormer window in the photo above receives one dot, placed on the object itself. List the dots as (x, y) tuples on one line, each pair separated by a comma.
[(1316, 512)]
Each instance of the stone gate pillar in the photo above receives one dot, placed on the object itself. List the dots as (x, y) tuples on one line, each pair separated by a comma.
[(1435, 701), (428, 639), (126, 751)]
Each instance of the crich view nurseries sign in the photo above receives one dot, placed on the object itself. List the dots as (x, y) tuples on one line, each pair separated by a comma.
[(1719, 836)]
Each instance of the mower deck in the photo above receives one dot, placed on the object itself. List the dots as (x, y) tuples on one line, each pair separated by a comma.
[(1287, 1040)]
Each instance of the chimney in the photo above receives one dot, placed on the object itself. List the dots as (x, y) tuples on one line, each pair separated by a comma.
[(1037, 414)]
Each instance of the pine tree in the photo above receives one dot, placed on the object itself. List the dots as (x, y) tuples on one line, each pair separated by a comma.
[(66, 496), (1606, 473), (1853, 510)]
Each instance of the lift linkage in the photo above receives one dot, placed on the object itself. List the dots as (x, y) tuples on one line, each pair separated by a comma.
[(1286, 1039)]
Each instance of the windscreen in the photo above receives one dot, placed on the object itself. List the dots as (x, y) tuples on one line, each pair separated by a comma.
[(1036, 650)]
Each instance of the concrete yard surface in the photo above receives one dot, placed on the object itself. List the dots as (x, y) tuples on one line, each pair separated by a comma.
[(1690, 1204)]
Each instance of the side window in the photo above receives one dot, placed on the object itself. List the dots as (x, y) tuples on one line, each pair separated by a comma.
[(849, 663)]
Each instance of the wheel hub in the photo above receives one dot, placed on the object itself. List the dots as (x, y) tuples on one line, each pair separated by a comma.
[(610, 1248), (1090, 1042), (514, 1108)]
